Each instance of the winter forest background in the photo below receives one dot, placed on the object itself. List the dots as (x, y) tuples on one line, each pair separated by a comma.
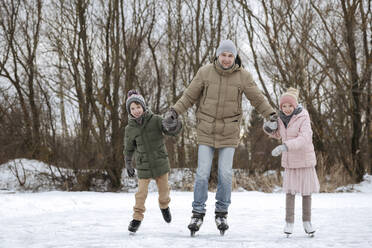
[(66, 66)]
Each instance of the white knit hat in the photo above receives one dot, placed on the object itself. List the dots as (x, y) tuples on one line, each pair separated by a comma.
[(226, 46)]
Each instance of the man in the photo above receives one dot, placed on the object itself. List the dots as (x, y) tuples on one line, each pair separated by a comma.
[(217, 89)]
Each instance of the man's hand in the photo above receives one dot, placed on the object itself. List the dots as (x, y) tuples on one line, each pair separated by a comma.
[(273, 117), (271, 125), (170, 121), (171, 113), (273, 121)]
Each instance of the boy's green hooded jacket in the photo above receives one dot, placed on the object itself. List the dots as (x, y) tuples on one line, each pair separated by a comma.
[(146, 143)]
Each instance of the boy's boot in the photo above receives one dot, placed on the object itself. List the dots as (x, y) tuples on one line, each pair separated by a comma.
[(196, 222), (221, 222), (166, 214), (134, 225)]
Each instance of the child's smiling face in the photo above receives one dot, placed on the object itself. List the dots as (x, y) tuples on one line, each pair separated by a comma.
[(136, 109), (287, 108)]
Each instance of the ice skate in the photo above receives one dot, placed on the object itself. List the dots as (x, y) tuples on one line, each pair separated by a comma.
[(166, 214), (309, 228), (133, 226), (221, 222), (288, 229), (196, 222)]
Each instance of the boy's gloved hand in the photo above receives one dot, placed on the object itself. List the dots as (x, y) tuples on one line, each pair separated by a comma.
[(131, 172), (278, 150), (128, 164), (170, 122)]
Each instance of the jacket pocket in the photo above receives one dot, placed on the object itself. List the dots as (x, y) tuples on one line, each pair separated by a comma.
[(141, 158), (142, 162), (162, 153), (310, 158), (205, 93), (205, 123), (239, 99), (231, 126), (143, 166)]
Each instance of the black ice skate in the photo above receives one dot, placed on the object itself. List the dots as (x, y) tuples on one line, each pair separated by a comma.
[(134, 225), (166, 214), (221, 222), (196, 222)]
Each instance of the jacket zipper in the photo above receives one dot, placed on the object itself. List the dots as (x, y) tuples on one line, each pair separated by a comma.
[(286, 134), (286, 137), (146, 148), (218, 104)]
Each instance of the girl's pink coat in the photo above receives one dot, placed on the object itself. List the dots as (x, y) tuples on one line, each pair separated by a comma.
[(298, 138)]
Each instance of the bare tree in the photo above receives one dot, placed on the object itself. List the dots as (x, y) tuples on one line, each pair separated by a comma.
[(313, 46), (103, 67), (20, 25)]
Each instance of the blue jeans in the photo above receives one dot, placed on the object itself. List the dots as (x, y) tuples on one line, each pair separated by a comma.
[(223, 195)]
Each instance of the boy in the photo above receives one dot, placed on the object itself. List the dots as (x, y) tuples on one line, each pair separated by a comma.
[(144, 138)]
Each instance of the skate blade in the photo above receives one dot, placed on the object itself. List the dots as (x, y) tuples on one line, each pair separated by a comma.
[(311, 235), (193, 228), (288, 234), (222, 230)]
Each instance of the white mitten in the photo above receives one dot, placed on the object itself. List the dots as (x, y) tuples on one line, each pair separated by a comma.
[(278, 150)]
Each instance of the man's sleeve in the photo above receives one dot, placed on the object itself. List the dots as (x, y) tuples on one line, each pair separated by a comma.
[(191, 95), (255, 96)]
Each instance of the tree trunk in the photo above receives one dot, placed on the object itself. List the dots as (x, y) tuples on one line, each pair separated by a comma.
[(349, 19)]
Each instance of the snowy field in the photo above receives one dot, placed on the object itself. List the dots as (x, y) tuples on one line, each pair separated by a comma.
[(88, 219)]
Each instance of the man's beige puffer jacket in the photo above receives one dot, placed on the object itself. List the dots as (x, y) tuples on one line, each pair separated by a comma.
[(218, 94)]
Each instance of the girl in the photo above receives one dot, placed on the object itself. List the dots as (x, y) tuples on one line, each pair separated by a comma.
[(144, 138), (298, 157)]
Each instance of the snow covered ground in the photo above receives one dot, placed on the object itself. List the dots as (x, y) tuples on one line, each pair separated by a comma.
[(91, 219), (88, 219)]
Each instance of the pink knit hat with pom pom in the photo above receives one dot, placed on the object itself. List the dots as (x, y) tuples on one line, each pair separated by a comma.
[(290, 96)]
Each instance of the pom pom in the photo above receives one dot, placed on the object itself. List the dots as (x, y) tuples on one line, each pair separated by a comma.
[(131, 92)]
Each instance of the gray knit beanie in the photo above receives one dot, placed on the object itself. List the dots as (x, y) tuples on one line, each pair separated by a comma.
[(133, 96), (226, 46)]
